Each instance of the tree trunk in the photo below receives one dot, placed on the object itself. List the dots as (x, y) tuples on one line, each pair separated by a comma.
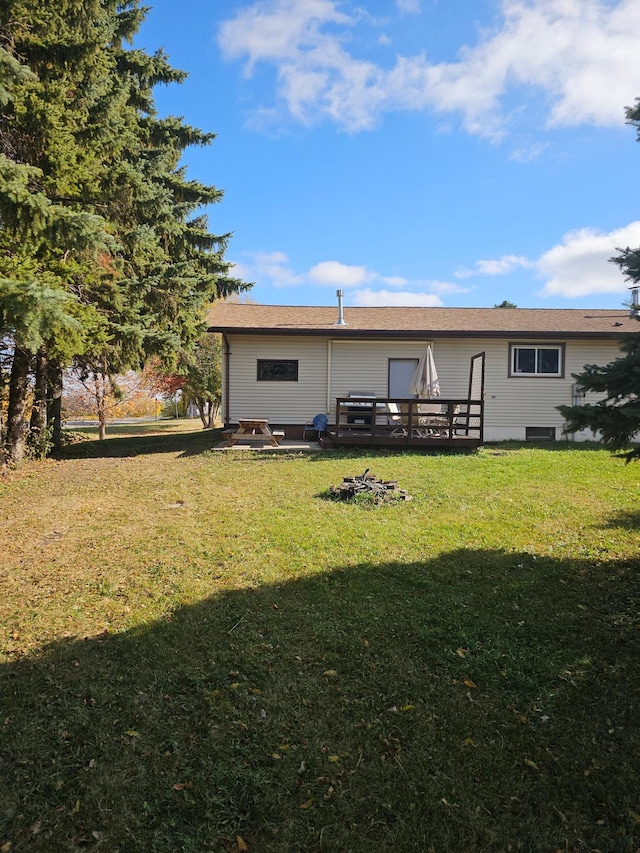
[(215, 413), (54, 404), (208, 410), (18, 384), (200, 403), (38, 424), (100, 384)]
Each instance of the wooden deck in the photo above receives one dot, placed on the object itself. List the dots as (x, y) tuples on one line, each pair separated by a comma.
[(391, 422)]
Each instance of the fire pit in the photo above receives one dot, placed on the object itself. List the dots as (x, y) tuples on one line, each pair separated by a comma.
[(370, 487)]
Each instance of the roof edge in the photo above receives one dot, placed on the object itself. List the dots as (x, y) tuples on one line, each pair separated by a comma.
[(408, 334)]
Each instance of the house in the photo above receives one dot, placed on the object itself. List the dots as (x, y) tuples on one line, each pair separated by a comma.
[(289, 363)]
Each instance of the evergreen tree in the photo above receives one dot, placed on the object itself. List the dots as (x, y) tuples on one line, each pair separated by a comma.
[(629, 259), (48, 238), (93, 202), (617, 416)]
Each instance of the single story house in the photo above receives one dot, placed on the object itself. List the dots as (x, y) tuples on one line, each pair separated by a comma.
[(288, 364)]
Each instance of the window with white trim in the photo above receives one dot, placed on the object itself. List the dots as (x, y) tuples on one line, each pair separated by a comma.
[(536, 360)]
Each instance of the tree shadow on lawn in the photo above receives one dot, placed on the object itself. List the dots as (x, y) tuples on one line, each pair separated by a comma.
[(183, 443), (196, 443), (624, 519), (470, 702)]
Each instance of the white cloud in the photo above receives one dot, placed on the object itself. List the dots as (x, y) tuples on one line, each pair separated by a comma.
[(410, 6), (404, 291), (580, 55), (339, 275), (530, 153), (578, 266), (276, 30), (498, 266), (447, 287), (368, 298), (503, 265), (273, 267)]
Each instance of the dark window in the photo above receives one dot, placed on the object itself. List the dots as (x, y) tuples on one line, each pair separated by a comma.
[(548, 361), (277, 370), (536, 360), (524, 360), (540, 433)]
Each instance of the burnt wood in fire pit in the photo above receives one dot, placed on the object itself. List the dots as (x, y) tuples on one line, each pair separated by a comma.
[(368, 484)]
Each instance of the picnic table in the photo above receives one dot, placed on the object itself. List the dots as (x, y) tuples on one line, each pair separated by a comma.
[(254, 429)]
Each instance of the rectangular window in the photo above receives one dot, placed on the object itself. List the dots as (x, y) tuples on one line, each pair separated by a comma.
[(277, 370), (536, 360), (540, 433)]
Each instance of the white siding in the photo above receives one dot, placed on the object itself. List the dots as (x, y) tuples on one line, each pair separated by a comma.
[(364, 365), (453, 361), (511, 403), (281, 402), (514, 403)]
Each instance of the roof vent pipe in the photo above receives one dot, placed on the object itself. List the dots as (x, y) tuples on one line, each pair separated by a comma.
[(635, 301), (341, 320)]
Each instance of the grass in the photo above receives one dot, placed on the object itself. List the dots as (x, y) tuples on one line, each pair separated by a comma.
[(201, 651), (139, 428)]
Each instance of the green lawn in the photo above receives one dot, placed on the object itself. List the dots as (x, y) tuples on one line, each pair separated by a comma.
[(201, 651)]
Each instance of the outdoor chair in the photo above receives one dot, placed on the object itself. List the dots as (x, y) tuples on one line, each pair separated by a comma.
[(431, 415), (394, 414), (318, 425)]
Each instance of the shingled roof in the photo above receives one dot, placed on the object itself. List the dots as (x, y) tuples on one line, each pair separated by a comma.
[(543, 323)]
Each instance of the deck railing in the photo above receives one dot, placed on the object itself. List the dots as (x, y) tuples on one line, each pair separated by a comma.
[(408, 421)]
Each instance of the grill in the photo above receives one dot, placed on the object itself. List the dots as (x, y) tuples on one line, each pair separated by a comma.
[(360, 413)]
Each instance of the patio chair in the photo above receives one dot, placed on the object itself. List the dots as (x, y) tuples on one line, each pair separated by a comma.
[(318, 424), (394, 417), (431, 415)]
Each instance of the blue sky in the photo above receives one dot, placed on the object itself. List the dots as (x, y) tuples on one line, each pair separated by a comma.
[(414, 152)]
